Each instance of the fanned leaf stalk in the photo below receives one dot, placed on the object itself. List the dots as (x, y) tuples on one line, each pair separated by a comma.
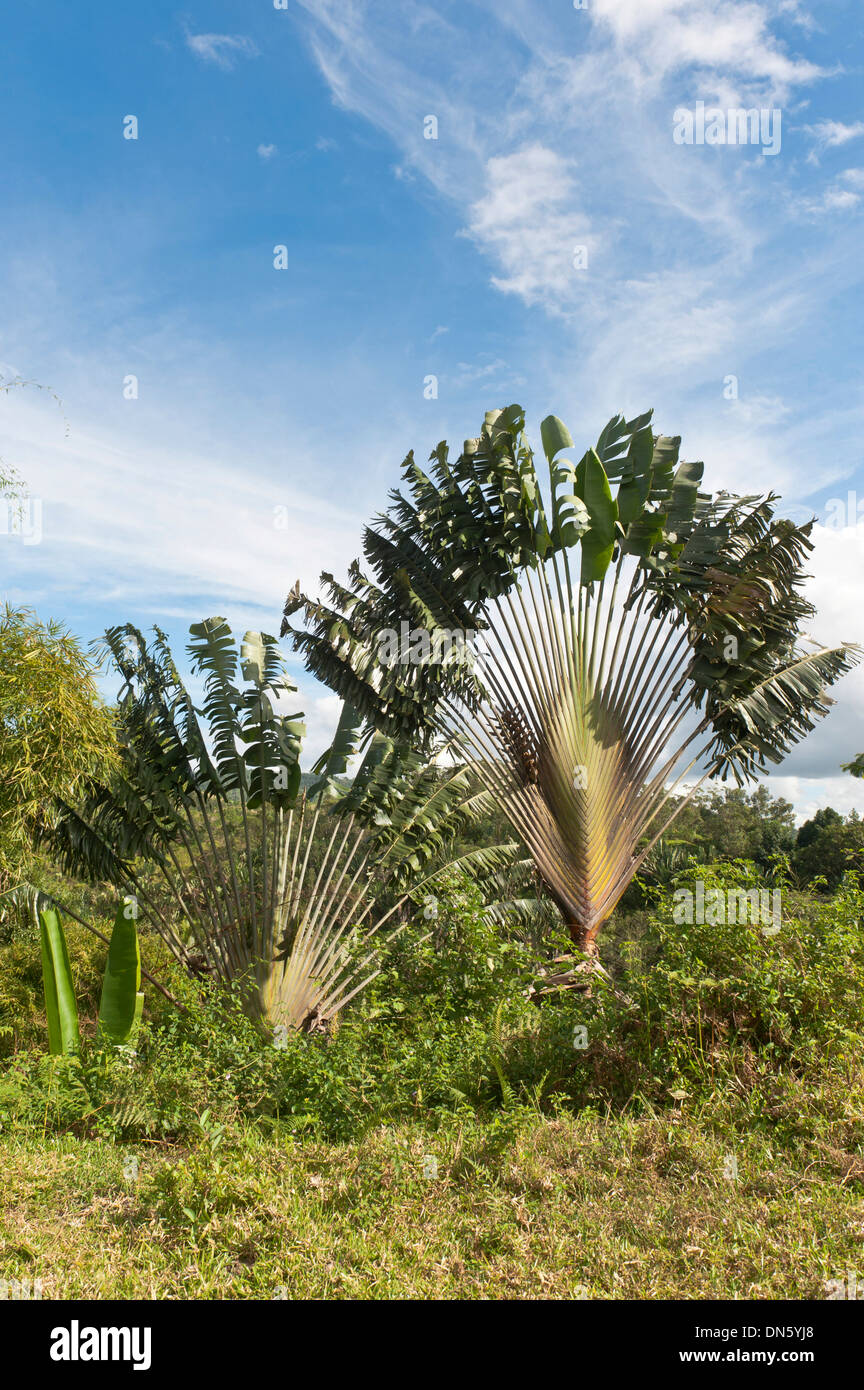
[(575, 733)]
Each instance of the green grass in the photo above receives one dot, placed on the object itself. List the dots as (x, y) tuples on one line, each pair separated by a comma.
[(583, 1206)]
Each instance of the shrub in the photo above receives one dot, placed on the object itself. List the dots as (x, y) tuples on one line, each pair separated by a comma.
[(699, 1011)]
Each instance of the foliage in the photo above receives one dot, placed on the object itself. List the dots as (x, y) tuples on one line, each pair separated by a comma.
[(828, 846), (122, 1001), (55, 732), (447, 1029), (601, 624), (730, 823), (208, 799), (724, 997)]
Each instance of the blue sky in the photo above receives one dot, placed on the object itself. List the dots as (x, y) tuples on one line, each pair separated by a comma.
[(274, 406)]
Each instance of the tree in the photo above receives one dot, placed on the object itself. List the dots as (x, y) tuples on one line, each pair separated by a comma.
[(616, 641), (279, 890), (55, 731), (730, 823), (828, 846), (824, 819)]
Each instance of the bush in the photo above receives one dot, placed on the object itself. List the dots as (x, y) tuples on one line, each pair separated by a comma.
[(718, 997), (446, 1028)]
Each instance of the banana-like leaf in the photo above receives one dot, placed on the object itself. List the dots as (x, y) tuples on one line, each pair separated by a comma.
[(570, 517), (593, 488), (334, 760), (61, 1010), (555, 436), (253, 658), (635, 485), (122, 1000)]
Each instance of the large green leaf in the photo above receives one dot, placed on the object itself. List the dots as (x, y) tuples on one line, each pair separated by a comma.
[(593, 488), (60, 1007), (570, 519), (664, 459), (635, 483), (685, 493), (335, 759), (119, 1008), (253, 657), (644, 534), (555, 436)]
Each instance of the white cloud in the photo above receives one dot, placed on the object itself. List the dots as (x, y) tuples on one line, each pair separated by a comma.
[(834, 199), (160, 531), (266, 152), (513, 166), (791, 10), (659, 37), (497, 375), (829, 134), (837, 198), (810, 794), (221, 49), (526, 220)]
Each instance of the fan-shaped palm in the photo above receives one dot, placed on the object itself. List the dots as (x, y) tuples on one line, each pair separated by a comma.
[(261, 882), (622, 641)]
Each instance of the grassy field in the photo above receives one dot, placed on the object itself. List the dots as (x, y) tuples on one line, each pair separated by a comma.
[(575, 1207)]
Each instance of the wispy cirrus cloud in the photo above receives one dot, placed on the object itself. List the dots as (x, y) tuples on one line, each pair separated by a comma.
[(545, 152), (834, 199), (497, 374), (222, 50), (842, 195), (563, 140), (828, 135)]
